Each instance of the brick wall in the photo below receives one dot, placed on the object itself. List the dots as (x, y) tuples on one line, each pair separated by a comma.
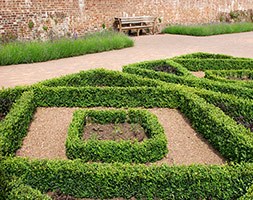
[(31, 19)]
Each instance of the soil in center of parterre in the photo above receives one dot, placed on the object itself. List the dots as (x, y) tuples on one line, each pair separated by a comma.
[(116, 132), (166, 68)]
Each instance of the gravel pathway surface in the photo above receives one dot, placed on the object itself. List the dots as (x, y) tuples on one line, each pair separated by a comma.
[(148, 47), (48, 130)]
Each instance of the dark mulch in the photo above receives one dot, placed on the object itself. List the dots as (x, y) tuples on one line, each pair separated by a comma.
[(166, 68), (116, 132), (2, 116), (246, 124), (59, 196), (243, 78), (239, 119)]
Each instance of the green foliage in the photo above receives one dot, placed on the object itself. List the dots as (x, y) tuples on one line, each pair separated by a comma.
[(209, 29), (30, 24), (149, 150), (198, 64), (94, 180), (107, 96), (30, 52), (21, 191), (232, 76), (100, 78), (8, 97), (248, 195), (190, 81), (204, 55), (15, 125)]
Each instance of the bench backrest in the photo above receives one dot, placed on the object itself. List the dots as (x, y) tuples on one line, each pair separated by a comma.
[(133, 20)]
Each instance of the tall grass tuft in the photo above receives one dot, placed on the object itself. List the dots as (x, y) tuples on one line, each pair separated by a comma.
[(30, 52), (209, 29)]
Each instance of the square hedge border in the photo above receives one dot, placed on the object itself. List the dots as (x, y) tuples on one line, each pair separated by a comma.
[(149, 150), (232, 141)]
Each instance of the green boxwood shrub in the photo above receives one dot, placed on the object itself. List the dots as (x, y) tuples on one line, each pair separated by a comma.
[(188, 80), (7, 98), (224, 76), (248, 195), (99, 78), (96, 180), (215, 62), (15, 125), (20, 191), (149, 150)]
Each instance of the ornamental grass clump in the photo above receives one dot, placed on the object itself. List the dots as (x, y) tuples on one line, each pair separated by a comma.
[(37, 51), (208, 29)]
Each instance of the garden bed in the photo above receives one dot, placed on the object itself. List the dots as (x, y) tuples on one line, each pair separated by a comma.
[(21, 177), (115, 132)]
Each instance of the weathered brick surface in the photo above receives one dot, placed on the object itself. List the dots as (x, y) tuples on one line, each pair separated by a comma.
[(53, 18)]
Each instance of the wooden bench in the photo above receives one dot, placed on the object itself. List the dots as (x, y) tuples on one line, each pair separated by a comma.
[(135, 23)]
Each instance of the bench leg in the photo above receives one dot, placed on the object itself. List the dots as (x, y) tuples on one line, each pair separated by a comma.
[(138, 32)]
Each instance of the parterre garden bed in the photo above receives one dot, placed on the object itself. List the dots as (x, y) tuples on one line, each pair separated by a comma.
[(212, 107)]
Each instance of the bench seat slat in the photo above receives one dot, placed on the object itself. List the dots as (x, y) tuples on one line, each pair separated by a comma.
[(135, 27)]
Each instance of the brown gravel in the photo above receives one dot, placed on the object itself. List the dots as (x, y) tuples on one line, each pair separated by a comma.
[(199, 74), (185, 145), (47, 134), (48, 130)]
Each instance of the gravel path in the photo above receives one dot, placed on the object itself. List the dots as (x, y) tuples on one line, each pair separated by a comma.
[(48, 130), (199, 74), (185, 145), (148, 47)]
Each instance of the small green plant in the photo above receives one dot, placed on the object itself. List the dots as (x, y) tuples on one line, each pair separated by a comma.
[(234, 14), (45, 28), (117, 129), (103, 26), (160, 20), (135, 128), (30, 24)]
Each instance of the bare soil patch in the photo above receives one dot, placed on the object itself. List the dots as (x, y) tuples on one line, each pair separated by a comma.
[(2, 116), (116, 132), (243, 78), (47, 135), (166, 68), (199, 74)]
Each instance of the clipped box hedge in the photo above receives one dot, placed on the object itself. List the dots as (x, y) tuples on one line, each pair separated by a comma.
[(205, 61), (142, 70), (149, 150), (223, 76), (14, 127), (96, 180), (99, 78)]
